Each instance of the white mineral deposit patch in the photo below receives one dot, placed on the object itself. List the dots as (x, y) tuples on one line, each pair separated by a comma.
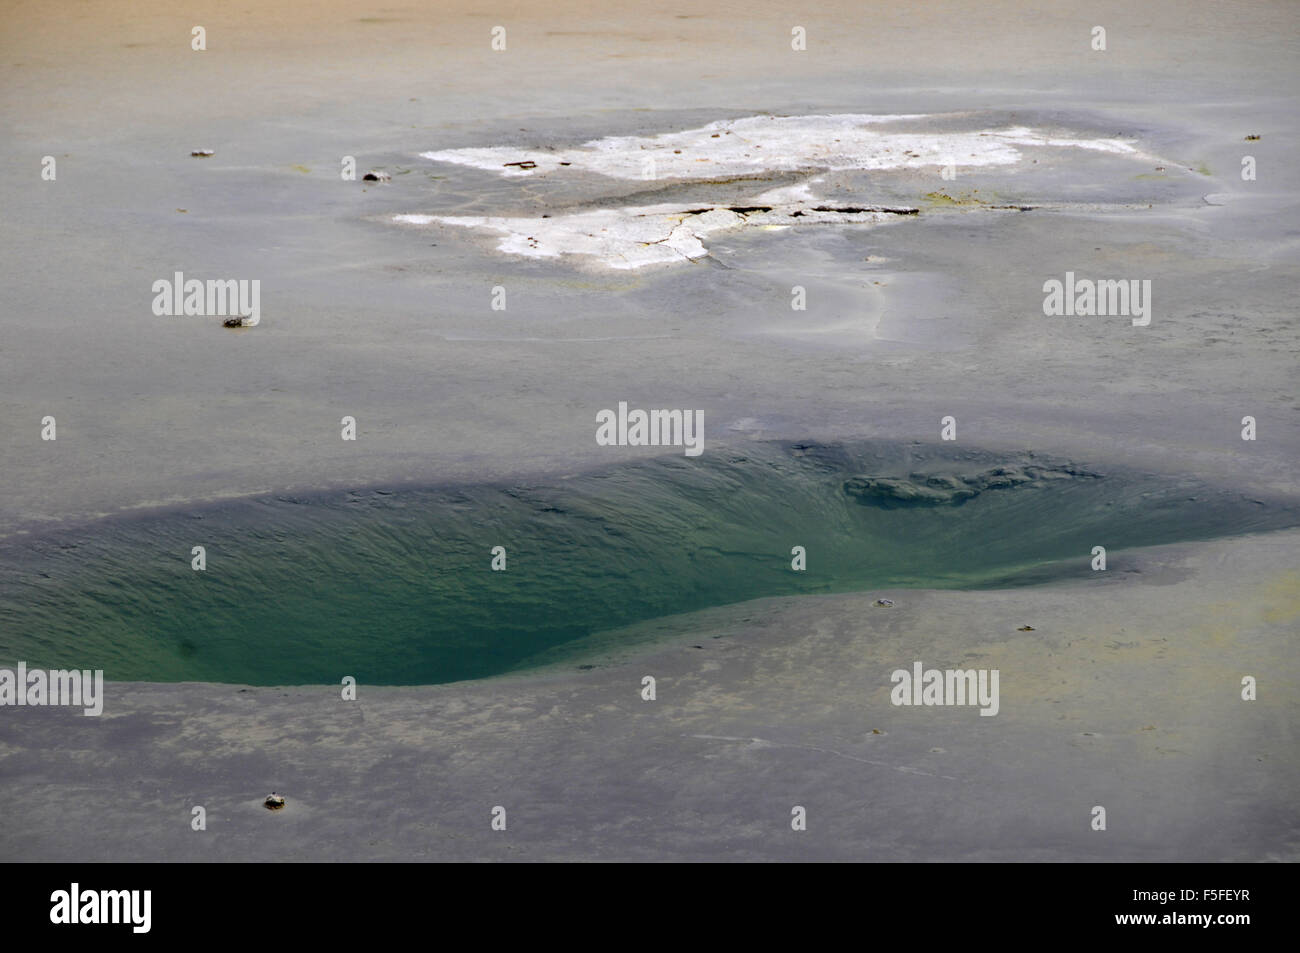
[(758, 144), (634, 237)]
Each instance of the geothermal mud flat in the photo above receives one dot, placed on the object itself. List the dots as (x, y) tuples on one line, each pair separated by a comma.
[(651, 255)]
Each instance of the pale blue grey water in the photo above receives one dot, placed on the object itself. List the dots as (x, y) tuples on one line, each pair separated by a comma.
[(904, 323)]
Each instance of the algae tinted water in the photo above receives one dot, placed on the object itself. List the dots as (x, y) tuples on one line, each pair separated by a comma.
[(397, 587)]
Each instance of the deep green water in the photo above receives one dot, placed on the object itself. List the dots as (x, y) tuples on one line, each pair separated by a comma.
[(396, 587)]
